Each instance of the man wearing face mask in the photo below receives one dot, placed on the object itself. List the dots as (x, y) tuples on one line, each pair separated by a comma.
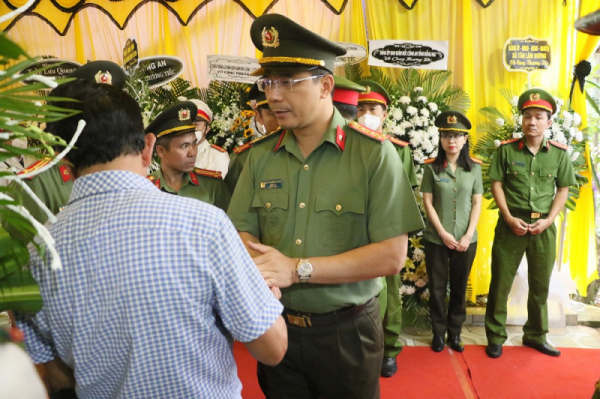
[(210, 156), (372, 111), (265, 121), (176, 146)]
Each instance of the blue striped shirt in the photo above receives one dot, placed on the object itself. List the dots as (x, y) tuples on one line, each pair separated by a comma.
[(152, 290)]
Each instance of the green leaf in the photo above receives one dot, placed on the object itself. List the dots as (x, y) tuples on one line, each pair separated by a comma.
[(10, 49)]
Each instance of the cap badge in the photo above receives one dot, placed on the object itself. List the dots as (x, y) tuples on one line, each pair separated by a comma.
[(534, 96), (270, 38), (184, 114), (367, 90), (452, 119), (103, 77)]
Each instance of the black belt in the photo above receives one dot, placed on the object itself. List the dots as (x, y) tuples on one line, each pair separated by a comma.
[(527, 214), (301, 319)]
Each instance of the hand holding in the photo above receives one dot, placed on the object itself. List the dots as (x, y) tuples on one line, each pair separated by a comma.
[(463, 243), (539, 226), (449, 240), (277, 269), (518, 226)]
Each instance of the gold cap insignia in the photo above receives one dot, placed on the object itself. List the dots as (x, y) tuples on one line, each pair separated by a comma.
[(184, 114), (367, 90), (452, 119), (534, 96), (103, 77), (270, 38)]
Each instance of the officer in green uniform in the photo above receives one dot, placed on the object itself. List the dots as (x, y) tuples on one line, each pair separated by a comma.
[(177, 147), (345, 97), (53, 186), (324, 213), (372, 111), (530, 183), (263, 117)]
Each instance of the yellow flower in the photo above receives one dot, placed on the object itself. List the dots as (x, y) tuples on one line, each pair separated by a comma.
[(416, 242), (248, 133), (237, 122), (409, 264)]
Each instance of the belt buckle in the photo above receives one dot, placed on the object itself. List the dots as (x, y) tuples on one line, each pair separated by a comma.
[(299, 321), (536, 215)]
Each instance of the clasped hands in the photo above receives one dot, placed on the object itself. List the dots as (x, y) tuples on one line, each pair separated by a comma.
[(520, 228), (461, 245), (278, 270)]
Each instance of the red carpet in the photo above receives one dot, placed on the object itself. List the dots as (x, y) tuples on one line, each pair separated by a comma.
[(520, 373)]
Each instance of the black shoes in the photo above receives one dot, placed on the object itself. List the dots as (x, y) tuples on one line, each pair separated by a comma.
[(437, 345), (388, 367), (494, 350), (545, 348), (455, 343)]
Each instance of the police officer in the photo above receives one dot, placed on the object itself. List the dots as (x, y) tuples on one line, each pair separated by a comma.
[(345, 97), (262, 117), (322, 209), (53, 187), (176, 145), (210, 156), (372, 111), (452, 188), (530, 183)]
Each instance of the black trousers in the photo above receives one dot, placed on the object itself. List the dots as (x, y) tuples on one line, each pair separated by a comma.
[(445, 264), (341, 360)]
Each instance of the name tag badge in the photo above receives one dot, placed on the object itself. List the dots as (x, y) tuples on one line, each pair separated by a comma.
[(517, 163), (268, 184), (442, 179)]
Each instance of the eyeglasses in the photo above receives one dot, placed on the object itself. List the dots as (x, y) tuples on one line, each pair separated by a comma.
[(455, 136), (283, 84)]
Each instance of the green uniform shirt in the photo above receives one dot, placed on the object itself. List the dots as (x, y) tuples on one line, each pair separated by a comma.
[(346, 194), (236, 164), (53, 187), (204, 188), (452, 199), (529, 180), (408, 163)]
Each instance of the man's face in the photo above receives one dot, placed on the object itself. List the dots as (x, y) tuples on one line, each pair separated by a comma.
[(371, 109), (265, 117), (181, 155), (535, 122), (202, 129), (295, 105)]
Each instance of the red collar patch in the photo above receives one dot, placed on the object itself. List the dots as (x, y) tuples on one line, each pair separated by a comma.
[(340, 138), (279, 142), (193, 179), (64, 173)]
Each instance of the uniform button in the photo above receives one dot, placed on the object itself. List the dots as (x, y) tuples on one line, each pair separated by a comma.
[(298, 241), (305, 167), (515, 173), (550, 175), (531, 188), (268, 204), (302, 205), (338, 207), (454, 200), (454, 189), (532, 173), (454, 220), (454, 179), (455, 210)]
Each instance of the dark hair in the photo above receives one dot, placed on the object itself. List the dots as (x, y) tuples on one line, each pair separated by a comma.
[(348, 111), (114, 125), (464, 159), (164, 141), (383, 106)]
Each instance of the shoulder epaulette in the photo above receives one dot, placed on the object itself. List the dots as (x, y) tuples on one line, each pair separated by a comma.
[(367, 132), (151, 178), (509, 141), (216, 147), (208, 173), (430, 160), (558, 145), (244, 147), (397, 141), (476, 160), (35, 166)]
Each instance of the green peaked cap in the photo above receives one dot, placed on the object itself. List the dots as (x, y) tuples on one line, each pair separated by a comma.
[(175, 119), (537, 98), (452, 121), (374, 93)]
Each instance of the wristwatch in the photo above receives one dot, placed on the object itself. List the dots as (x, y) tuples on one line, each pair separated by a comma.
[(304, 270)]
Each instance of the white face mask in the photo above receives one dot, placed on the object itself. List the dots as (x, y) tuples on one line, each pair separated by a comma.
[(370, 121), (199, 135), (262, 130)]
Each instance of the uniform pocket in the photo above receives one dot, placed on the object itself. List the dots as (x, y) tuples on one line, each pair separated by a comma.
[(341, 219), (272, 206), (517, 176)]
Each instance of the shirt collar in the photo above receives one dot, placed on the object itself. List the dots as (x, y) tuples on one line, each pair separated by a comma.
[(162, 181), (107, 181), (545, 143), (289, 140)]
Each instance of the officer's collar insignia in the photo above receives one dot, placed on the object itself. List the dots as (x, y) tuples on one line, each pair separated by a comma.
[(340, 138), (452, 119), (103, 77), (534, 96), (184, 114), (270, 38), (367, 90)]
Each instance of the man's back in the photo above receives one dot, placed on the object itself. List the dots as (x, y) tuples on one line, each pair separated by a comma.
[(150, 288)]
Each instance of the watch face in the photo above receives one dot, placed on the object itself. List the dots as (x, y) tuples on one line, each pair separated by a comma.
[(304, 269)]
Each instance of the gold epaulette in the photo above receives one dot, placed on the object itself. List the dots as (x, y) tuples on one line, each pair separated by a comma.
[(397, 141), (367, 132), (476, 160), (558, 145), (35, 166), (509, 141), (208, 173), (244, 147), (216, 147), (430, 160)]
